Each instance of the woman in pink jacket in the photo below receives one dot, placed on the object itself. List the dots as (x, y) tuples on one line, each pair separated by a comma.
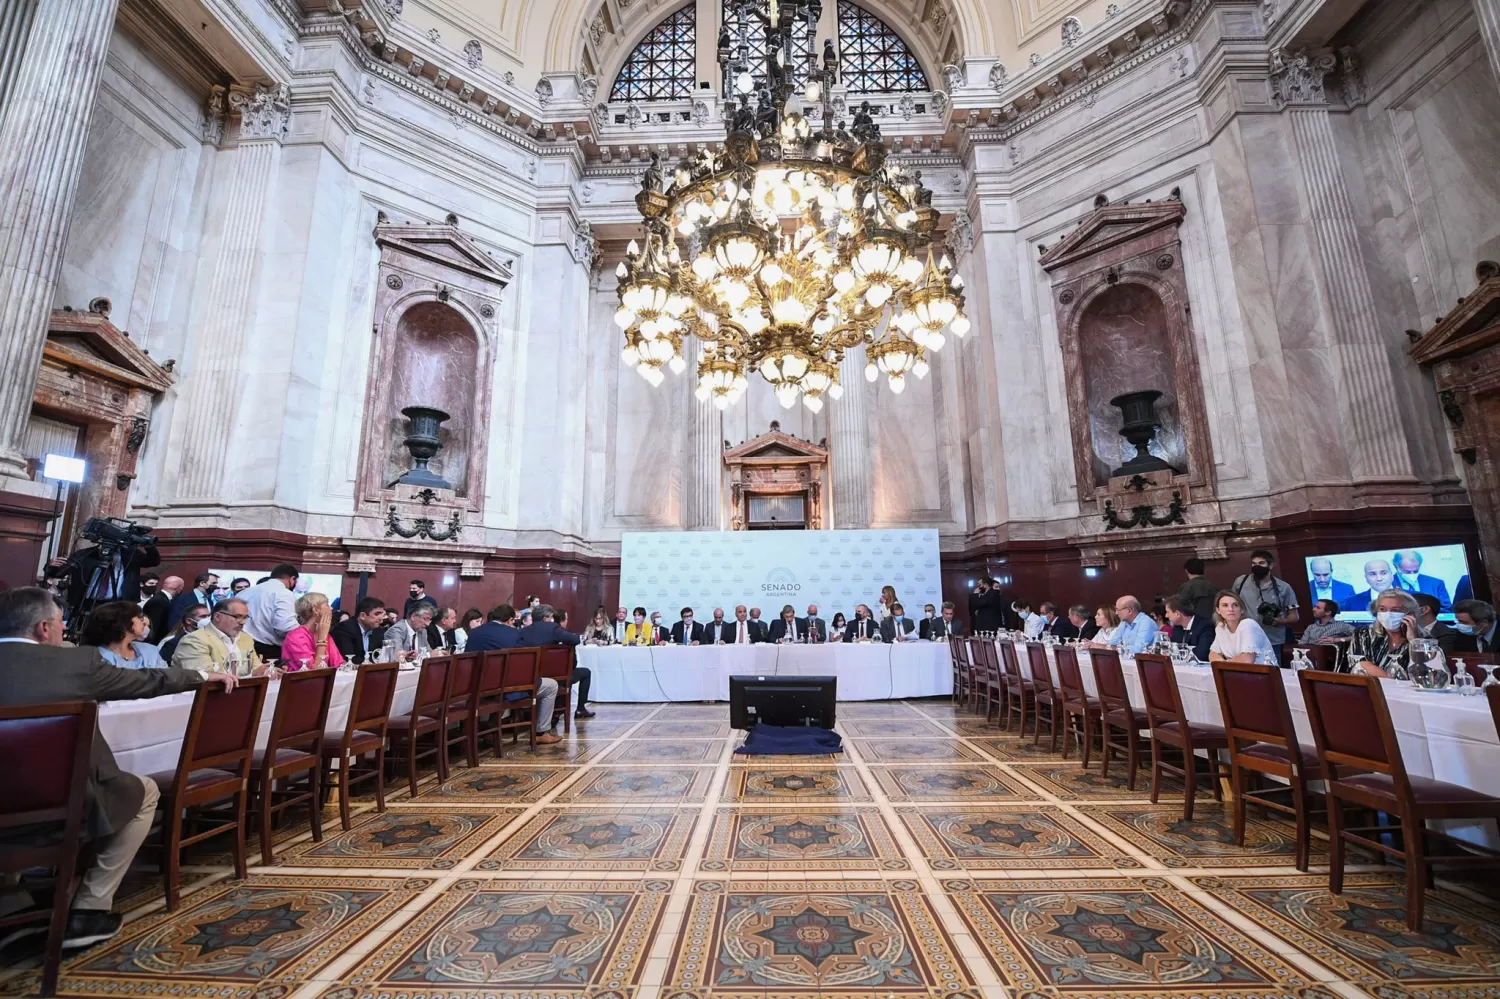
[(308, 646)]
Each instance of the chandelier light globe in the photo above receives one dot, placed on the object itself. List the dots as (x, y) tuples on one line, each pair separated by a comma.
[(878, 294), (960, 325), (624, 318), (897, 383), (871, 372), (921, 368), (654, 375), (835, 391), (677, 364), (813, 402)]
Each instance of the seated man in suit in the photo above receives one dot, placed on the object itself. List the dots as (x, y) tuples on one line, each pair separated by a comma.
[(947, 626), (36, 668), (817, 628), (1325, 587), (741, 632), (718, 631), (1409, 578), (929, 615), (687, 631), (863, 627), (1055, 624), (1188, 628), (364, 633), (498, 632), (1379, 576), (759, 631), (897, 627), (204, 585), (788, 627), (544, 630), (221, 642), (1474, 629), (1080, 618), (404, 633)]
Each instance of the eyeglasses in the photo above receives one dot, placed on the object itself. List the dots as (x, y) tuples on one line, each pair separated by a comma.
[(233, 617)]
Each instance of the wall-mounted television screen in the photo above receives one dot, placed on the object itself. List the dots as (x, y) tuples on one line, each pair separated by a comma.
[(1353, 579)]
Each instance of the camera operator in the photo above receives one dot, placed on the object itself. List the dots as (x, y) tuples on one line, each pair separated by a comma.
[(1269, 599), (111, 569)]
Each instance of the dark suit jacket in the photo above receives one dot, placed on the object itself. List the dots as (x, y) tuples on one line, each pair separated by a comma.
[(1061, 628), (1430, 585), (861, 627), (37, 674), (80, 570), (937, 629), (1359, 603), (696, 635), (778, 630), (817, 629), (546, 633), (1200, 635), (758, 630), (181, 604), (157, 610), (493, 635), (352, 643), (722, 631), (888, 628), (986, 611), (411, 603)]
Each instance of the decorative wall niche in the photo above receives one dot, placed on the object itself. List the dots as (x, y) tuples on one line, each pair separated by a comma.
[(776, 481), (436, 306)]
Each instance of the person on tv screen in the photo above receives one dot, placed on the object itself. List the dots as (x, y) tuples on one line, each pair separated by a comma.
[(1325, 587), (1378, 578), (1409, 577)]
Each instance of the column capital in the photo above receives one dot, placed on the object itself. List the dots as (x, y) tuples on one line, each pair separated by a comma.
[(1298, 77), (265, 113)]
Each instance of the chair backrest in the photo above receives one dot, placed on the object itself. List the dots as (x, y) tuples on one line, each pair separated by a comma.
[(1041, 670), (521, 670), (433, 684), (1252, 698), (557, 662), (46, 749), (1159, 689), (1492, 692), (465, 683), (370, 705), (1008, 661), (975, 650), (221, 729), (1109, 679), (958, 651), (1069, 676), (1322, 656), (491, 674), (1351, 725), (301, 714)]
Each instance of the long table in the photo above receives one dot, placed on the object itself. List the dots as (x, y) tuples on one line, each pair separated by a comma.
[(146, 735), (1445, 736), (865, 671)]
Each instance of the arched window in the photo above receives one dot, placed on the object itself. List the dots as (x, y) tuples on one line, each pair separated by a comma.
[(754, 39), (874, 59), (664, 65)]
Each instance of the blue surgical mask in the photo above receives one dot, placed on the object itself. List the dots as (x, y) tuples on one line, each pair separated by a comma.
[(1392, 620), (1464, 629)]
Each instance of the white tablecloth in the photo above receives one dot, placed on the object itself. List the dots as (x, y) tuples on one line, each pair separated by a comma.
[(146, 735), (866, 672), (1445, 736)]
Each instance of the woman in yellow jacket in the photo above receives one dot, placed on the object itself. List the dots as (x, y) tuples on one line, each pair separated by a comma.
[(639, 631)]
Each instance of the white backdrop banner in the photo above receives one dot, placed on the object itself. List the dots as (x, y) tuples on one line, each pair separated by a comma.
[(670, 570)]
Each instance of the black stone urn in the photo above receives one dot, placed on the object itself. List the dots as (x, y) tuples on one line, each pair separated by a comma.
[(423, 443), (1141, 425)]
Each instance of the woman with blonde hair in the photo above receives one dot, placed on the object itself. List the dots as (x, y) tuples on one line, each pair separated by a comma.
[(887, 601), (307, 646), (1108, 622), (1239, 638), (600, 630)]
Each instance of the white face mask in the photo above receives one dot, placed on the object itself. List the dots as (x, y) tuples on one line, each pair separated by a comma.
[(1391, 620), (930, 615)]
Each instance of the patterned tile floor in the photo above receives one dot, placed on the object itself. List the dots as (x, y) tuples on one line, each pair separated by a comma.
[(641, 859)]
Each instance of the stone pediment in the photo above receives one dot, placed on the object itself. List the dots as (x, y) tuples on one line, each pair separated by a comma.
[(88, 340), (445, 245), (776, 446), (1473, 325), (1113, 225)]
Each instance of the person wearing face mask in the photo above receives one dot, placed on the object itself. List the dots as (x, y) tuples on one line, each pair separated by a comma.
[(687, 631), (897, 627), (639, 631), (1409, 577), (1384, 648), (788, 627), (1474, 629), (1268, 598), (863, 627), (659, 631)]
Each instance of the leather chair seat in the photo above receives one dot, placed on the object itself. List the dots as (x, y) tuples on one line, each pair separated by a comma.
[(362, 742), (405, 724), (1119, 717), (1089, 703), (1272, 753), (1425, 790), (287, 758), (198, 780), (1199, 733)]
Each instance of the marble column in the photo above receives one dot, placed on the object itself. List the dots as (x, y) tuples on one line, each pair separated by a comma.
[(707, 469), (850, 445), (15, 25), (213, 379), (43, 137), (1488, 13), (1376, 440)]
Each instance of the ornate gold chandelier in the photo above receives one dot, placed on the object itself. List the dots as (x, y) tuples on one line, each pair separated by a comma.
[(789, 247)]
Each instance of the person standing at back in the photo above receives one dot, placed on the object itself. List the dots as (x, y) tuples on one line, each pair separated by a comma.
[(985, 612), (1268, 599), (1197, 594), (273, 610)]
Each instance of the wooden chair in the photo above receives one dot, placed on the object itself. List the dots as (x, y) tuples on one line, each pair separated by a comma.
[(364, 733), (958, 652), (1019, 691), (990, 680), (516, 693), (463, 707), (1325, 657), (1116, 714), (1044, 694), (1077, 705), (429, 716), (294, 746), (1171, 728), (1262, 741), (1362, 766), (1493, 694), (557, 662), (218, 752), (44, 783)]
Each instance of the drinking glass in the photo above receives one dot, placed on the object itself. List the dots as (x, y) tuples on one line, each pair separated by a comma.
[(1489, 675)]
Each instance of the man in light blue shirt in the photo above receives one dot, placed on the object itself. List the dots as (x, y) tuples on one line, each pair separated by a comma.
[(1137, 630)]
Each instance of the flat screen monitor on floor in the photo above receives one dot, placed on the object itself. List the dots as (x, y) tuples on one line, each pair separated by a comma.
[(802, 700), (1354, 579)]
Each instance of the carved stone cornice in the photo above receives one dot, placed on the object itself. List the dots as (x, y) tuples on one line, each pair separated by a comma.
[(265, 113), (1299, 77)]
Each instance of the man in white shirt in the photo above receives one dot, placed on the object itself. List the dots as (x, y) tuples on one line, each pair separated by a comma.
[(1032, 623), (622, 618), (273, 610), (742, 633), (718, 631), (817, 628), (898, 627)]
